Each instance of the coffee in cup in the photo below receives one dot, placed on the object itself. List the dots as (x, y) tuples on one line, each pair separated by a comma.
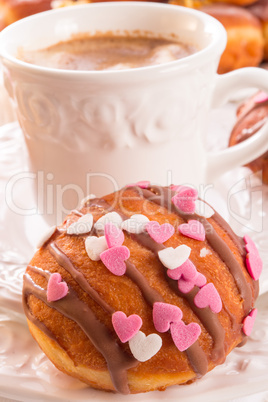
[(108, 51)]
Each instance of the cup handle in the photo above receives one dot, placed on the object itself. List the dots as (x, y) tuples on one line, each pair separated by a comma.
[(221, 161)]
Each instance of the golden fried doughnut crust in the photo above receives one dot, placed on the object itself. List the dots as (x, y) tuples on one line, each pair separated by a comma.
[(77, 333)]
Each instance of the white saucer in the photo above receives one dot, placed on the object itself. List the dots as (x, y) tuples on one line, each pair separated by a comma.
[(27, 375)]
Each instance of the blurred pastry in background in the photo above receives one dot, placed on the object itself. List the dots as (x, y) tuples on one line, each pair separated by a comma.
[(199, 3), (260, 10), (235, 2), (245, 41), (251, 116), (67, 3), (2, 22), (13, 10)]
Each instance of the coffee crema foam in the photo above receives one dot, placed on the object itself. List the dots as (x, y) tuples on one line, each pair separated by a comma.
[(108, 52)]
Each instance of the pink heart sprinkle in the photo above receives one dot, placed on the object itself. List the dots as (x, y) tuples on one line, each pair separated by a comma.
[(141, 184), (193, 229), (249, 322), (185, 199), (208, 296), (159, 233), (126, 327), (254, 265), (186, 285), (260, 97), (164, 314), (114, 259), (250, 245), (114, 236), (184, 335), (56, 289), (187, 269)]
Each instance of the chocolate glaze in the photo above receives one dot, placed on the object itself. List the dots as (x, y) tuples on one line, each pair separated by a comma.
[(150, 295), (197, 359), (162, 196), (209, 320), (238, 241), (118, 361), (206, 316), (195, 353), (67, 264), (231, 262), (27, 291), (196, 356), (244, 341), (256, 288)]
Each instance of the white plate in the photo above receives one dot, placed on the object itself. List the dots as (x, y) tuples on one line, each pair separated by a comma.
[(27, 375)]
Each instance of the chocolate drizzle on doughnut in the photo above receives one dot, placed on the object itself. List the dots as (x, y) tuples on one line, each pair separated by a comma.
[(72, 307), (198, 357), (162, 196), (150, 295), (67, 264), (27, 291), (207, 317), (195, 353)]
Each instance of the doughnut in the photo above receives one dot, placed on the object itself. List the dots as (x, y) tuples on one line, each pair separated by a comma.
[(13, 10), (142, 289), (260, 10), (245, 41), (2, 21), (251, 116)]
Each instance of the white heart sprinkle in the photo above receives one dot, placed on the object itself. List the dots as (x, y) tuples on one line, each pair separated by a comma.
[(173, 258), (95, 246), (144, 347), (82, 225), (203, 209), (112, 217), (86, 199), (136, 224), (204, 252), (46, 236)]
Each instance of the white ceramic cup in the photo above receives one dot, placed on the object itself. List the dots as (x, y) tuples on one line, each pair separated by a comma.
[(95, 131)]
